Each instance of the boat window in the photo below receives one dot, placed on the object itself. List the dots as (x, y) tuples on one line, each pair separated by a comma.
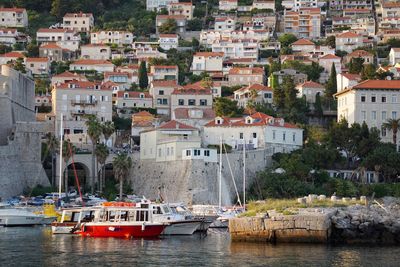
[(166, 209), (131, 216), (142, 216), (124, 215), (157, 210)]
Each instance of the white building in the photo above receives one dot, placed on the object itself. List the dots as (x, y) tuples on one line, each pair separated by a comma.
[(310, 90), (91, 64), (119, 38), (246, 76), (347, 80), (228, 5), (207, 62), (152, 5), (372, 101), (263, 95), (164, 72), (348, 41), (65, 38), (133, 99), (13, 17), (80, 22), (394, 56), (225, 24), (181, 8), (161, 92), (38, 66), (239, 48), (96, 51), (264, 4), (168, 41), (169, 141), (328, 60), (10, 36), (10, 56), (256, 131)]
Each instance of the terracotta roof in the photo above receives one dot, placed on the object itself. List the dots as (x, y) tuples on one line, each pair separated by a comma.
[(166, 35), (351, 76), (50, 46), (164, 83), (78, 85), (183, 113), (170, 17), (257, 87), (143, 113), (45, 30), (348, 35), (8, 30), (303, 42), (133, 94), (13, 54), (391, 5), (12, 9), (396, 49), (209, 54), (37, 59), (329, 56), (246, 71), (165, 67), (192, 89), (378, 84), (91, 62), (311, 84), (360, 53), (68, 74), (175, 125)]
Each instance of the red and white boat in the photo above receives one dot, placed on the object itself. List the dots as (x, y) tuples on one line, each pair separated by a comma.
[(123, 220)]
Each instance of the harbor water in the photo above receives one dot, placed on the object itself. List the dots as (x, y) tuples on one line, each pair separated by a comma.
[(36, 246)]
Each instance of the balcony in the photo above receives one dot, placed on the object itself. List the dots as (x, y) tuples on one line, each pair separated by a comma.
[(83, 112), (83, 102), (179, 139)]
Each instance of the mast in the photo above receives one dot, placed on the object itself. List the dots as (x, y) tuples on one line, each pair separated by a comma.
[(244, 174), (220, 173), (61, 165)]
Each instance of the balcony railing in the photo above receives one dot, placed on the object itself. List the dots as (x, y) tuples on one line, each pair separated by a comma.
[(83, 102)]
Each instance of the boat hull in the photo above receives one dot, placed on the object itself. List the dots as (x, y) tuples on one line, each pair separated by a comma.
[(121, 231), (182, 228), (62, 228), (20, 220)]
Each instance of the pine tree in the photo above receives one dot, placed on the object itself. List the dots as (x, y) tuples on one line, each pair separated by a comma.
[(318, 106), (330, 88), (290, 93), (368, 72), (143, 79)]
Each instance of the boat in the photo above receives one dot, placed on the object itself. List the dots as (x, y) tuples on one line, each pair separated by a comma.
[(122, 220), (21, 217), (71, 218), (183, 210), (178, 224)]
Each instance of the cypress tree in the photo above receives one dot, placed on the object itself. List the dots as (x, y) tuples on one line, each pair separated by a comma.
[(143, 79)]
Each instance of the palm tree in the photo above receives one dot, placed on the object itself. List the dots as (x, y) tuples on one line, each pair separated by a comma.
[(94, 131), (108, 129), (392, 125), (68, 151), (121, 164), (101, 155), (52, 147)]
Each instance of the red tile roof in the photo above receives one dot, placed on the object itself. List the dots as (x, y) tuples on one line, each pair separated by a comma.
[(348, 35), (91, 62), (175, 125), (257, 87), (351, 76), (68, 74), (46, 30), (246, 71), (143, 113), (311, 84), (378, 84), (78, 85), (12, 9), (303, 42), (37, 59), (13, 55), (329, 56), (359, 53), (183, 113), (209, 54), (164, 83), (50, 46)]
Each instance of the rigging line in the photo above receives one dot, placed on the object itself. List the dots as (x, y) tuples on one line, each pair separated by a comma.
[(76, 175), (233, 179)]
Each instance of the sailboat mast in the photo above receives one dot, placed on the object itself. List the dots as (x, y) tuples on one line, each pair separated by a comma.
[(220, 174), (61, 164), (244, 174)]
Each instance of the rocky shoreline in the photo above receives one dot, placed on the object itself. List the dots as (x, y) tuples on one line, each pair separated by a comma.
[(374, 223)]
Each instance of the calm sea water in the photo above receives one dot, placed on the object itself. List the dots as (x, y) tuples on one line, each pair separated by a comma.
[(38, 247)]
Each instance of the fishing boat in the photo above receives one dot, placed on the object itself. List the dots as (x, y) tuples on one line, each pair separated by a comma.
[(20, 217), (122, 220), (178, 224)]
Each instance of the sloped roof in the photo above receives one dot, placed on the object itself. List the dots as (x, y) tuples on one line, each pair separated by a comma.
[(183, 113), (311, 84), (303, 42), (175, 125)]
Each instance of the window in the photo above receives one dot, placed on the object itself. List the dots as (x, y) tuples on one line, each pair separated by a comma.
[(373, 115), (181, 102), (203, 102), (383, 99), (273, 135), (161, 92), (206, 153), (394, 115), (191, 102), (284, 136), (197, 152), (188, 153), (159, 152), (383, 131), (373, 98), (363, 115), (167, 151), (267, 95), (240, 135), (254, 135), (383, 115), (294, 137), (363, 98), (394, 98), (172, 151)]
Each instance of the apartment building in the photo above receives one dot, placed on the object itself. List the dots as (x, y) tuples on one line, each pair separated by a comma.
[(73, 101), (372, 101), (191, 96), (180, 22), (157, 5), (13, 17), (168, 41), (80, 22), (339, 5), (246, 76), (161, 91), (9, 36), (133, 99), (225, 23), (161, 72), (207, 38), (257, 93), (394, 56), (91, 65), (347, 80), (238, 48), (119, 38), (348, 41), (96, 52), (227, 5), (55, 52), (181, 8), (255, 131), (207, 62), (65, 38), (305, 23), (38, 65)]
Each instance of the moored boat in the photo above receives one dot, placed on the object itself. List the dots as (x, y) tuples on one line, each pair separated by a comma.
[(20, 217)]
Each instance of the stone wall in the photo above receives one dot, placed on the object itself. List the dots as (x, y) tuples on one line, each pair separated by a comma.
[(20, 160), (196, 181)]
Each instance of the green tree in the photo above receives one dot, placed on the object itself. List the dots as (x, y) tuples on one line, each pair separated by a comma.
[(94, 131), (287, 39), (368, 72), (19, 65), (107, 128), (289, 89), (59, 8), (392, 125), (121, 166), (356, 65), (331, 41), (279, 97), (143, 78), (318, 106), (330, 89), (384, 160), (52, 146), (101, 155), (169, 26), (226, 107), (32, 49), (68, 150)]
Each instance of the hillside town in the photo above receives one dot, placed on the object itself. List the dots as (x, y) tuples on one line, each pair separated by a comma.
[(257, 75)]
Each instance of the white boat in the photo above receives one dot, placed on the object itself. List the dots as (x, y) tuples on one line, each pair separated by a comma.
[(70, 218), (180, 208), (20, 217), (178, 224)]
